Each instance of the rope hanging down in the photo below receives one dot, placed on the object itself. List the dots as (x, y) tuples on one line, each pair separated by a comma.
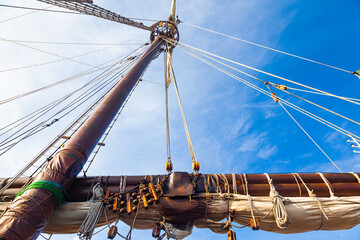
[(269, 48), (195, 163), (169, 165)]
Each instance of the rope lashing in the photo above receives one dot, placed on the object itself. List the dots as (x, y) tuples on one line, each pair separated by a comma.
[(218, 188), (356, 176), (87, 228), (281, 217), (234, 183), (297, 182), (328, 184), (122, 185), (226, 183), (254, 222), (313, 196)]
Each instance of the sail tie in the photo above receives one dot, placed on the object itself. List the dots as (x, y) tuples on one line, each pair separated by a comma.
[(356, 176), (328, 184), (281, 217), (234, 184), (226, 183), (122, 186), (313, 196), (298, 184), (254, 222)]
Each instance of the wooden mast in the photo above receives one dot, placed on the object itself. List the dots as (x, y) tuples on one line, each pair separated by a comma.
[(29, 213)]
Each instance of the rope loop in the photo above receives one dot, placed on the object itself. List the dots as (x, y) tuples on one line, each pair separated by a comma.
[(281, 217)]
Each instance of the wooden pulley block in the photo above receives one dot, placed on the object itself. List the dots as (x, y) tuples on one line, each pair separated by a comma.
[(156, 230), (112, 232), (169, 166), (254, 224), (196, 166), (231, 235)]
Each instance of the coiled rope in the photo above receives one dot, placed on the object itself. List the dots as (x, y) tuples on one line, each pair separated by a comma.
[(281, 217)]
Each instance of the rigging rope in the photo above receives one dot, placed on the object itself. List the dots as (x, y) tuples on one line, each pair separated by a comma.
[(22, 15), (36, 129), (284, 90), (269, 48), (86, 72), (75, 43), (311, 115), (269, 74), (54, 61), (169, 165), (39, 9), (97, 78), (47, 52), (196, 166), (307, 134), (110, 128), (87, 228), (302, 90), (47, 148), (317, 105)]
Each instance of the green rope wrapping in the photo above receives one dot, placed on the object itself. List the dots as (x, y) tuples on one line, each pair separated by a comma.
[(47, 185)]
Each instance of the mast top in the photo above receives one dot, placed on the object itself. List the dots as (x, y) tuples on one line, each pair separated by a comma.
[(167, 30)]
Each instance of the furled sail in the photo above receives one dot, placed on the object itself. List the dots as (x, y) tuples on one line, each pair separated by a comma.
[(180, 201)]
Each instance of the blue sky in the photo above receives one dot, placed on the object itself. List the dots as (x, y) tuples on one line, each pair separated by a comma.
[(233, 127)]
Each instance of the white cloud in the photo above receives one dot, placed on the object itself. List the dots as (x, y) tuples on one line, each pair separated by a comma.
[(222, 114)]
